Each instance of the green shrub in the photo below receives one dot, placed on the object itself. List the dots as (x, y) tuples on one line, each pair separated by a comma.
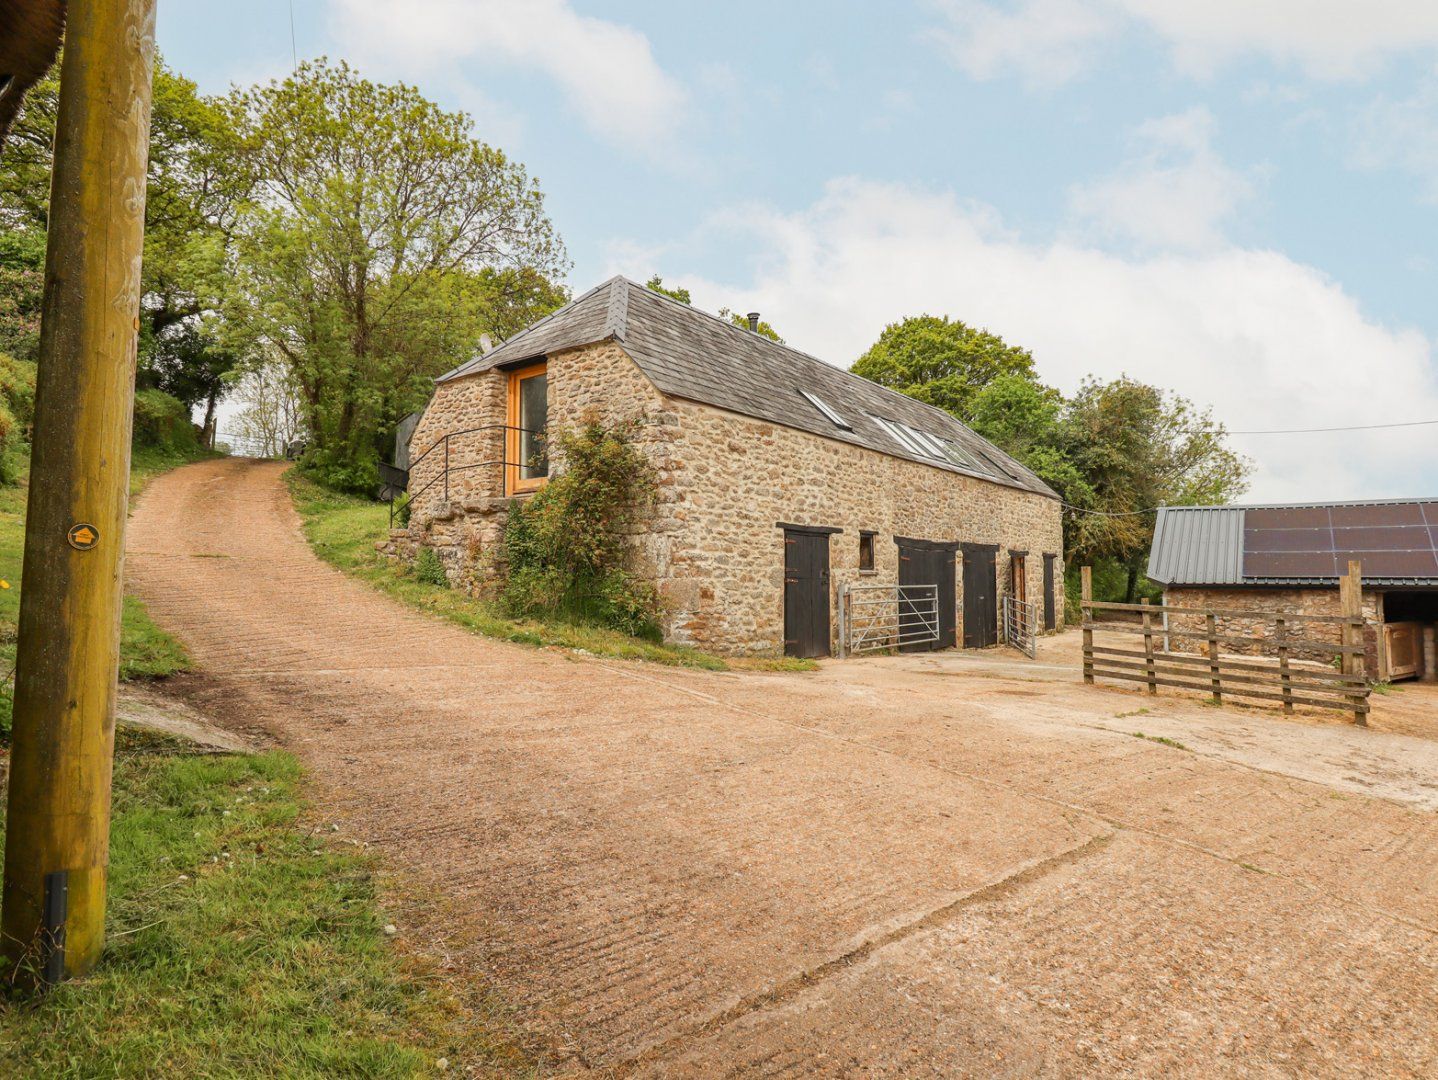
[(341, 473), (566, 546), (163, 422), (429, 569), (17, 414)]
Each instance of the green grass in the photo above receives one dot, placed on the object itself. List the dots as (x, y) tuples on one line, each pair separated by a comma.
[(146, 651), (1163, 740), (343, 531), (243, 942)]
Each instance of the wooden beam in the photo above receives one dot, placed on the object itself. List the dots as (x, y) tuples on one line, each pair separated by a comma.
[(1086, 599)]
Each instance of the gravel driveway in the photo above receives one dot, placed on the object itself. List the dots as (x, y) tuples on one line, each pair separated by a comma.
[(871, 870)]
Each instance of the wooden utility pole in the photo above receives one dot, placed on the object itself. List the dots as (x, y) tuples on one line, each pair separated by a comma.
[(57, 839)]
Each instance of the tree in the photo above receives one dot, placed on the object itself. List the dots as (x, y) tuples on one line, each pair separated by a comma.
[(372, 251), (940, 361), (271, 409), (1139, 447), (1027, 420), (656, 284), (193, 187), (22, 286)]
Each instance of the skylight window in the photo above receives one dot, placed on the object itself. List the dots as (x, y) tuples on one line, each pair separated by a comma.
[(823, 406), (915, 442), (961, 457)]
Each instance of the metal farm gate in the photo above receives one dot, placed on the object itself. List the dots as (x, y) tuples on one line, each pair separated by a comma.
[(874, 618), (1021, 625)]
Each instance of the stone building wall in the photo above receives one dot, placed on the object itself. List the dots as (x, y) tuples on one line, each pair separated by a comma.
[(711, 544), (1260, 627), (739, 477)]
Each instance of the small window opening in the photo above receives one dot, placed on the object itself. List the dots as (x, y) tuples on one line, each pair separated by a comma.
[(866, 551)]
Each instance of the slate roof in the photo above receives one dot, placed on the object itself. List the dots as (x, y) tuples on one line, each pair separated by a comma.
[(690, 354), (1396, 540)]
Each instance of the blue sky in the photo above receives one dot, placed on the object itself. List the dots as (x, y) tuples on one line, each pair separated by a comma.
[(1240, 204)]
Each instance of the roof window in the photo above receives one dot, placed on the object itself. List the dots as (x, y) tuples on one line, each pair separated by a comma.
[(823, 406)]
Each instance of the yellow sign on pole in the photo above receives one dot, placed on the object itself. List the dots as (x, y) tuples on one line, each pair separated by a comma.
[(83, 537)]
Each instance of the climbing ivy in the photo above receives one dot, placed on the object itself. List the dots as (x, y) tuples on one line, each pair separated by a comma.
[(566, 546)]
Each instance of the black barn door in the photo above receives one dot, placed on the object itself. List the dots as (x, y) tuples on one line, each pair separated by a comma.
[(806, 593), (1050, 615), (981, 613), (927, 563)]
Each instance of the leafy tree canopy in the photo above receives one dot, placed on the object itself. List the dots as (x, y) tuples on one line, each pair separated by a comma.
[(192, 192), (940, 360), (380, 240)]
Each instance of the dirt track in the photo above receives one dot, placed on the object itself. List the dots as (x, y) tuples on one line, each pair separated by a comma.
[(869, 870)]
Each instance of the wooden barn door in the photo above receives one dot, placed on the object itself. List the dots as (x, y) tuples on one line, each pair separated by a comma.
[(981, 610), (806, 593), (930, 564)]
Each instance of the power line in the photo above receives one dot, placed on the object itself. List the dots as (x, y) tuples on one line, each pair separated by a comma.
[(1354, 427), (294, 53)]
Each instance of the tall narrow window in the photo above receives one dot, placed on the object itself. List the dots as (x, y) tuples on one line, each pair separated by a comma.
[(866, 551), (526, 459)]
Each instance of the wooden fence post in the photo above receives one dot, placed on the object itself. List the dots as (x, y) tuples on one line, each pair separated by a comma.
[(1350, 596), (1148, 649), (1086, 598), (1284, 674), (1215, 677)]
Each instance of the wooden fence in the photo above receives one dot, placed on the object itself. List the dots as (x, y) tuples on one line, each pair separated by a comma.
[(1296, 674)]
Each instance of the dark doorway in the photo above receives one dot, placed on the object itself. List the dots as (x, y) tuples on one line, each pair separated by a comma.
[(1050, 616), (981, 612), (1018, 574), (806, 593), (928, 562)]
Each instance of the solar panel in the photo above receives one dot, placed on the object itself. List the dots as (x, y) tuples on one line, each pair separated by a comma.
[(1391, 540)]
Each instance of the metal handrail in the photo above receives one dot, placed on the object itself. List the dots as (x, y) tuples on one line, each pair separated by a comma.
[(444, 473)]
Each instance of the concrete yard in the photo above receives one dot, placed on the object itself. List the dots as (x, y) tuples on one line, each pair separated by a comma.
[(922, 865)]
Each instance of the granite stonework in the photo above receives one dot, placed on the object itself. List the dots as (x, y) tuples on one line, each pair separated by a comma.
[(711, 543)]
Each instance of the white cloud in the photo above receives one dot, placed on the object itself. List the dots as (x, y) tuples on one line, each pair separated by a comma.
[(1053, 40), (608, 71), (1046, 41), (1403, 133), (1176, 193), (1266, 341)]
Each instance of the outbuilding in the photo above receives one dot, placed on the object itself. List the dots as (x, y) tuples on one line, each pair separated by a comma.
[(782, 478), (1289, 558)]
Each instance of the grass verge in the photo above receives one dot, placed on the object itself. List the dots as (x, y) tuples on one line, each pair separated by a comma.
[(343, 531), (242, 942), (146, 651)]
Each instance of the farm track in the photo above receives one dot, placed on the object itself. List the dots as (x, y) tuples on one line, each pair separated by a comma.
[(867, 870)]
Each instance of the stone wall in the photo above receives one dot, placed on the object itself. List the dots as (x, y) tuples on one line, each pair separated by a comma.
[(737, 478), (1260, 626), (712, 544)]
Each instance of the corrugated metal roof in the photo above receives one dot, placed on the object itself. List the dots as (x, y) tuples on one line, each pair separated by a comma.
[(691, 354), (1205, 545), (1197, 545)]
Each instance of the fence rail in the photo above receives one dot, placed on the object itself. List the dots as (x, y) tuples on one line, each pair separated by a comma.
[(1280, 678), (873, 618), (1021, 625)]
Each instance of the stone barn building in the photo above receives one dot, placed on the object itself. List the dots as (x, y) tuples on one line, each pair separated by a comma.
[(780, 477), (1289, 559)]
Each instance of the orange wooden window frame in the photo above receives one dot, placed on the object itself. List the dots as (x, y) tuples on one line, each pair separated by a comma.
[(515, 484)]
